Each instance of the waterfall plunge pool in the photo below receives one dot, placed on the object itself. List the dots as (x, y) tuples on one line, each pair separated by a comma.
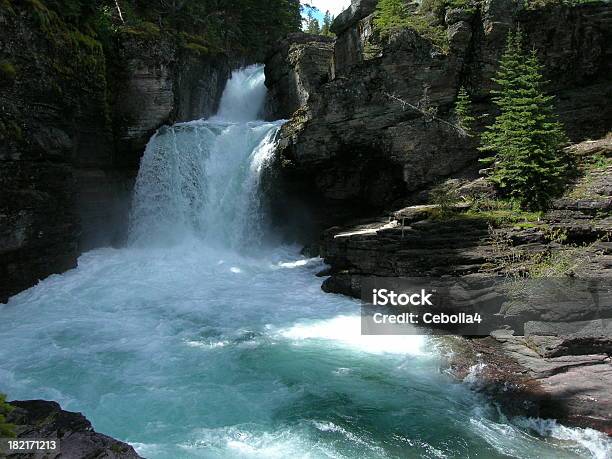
[(190, 343)]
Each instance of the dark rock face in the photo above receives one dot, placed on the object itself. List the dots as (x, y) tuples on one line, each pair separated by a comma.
[(362, 140), (38, 224), (41, 147), (162, 83), (40, 419), (296, 69), (358, 10), (72, 130)]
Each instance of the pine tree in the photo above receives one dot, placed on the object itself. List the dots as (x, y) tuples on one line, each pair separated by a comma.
[(312, 25), (463, 109), (327, 22), (390, 14), (6, 429), (526, 138)]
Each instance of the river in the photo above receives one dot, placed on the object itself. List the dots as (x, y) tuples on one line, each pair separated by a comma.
[(201, 338)]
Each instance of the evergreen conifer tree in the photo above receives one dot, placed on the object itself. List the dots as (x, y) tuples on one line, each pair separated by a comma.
[(327, 22), (390, 13), (312, 25), (526, 137), (463, 109)]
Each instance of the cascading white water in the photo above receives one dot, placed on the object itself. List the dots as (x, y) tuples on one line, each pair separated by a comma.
[(187, 348), (201, 179)]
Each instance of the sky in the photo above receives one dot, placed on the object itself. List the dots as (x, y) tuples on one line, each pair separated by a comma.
[(335, 7)]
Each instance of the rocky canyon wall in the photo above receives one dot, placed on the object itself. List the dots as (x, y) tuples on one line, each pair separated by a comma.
[(73, 125), (376, 125)]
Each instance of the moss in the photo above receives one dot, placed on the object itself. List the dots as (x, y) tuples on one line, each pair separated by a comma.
[(10, 130), (536, 4), (8, 72), (142, 29), (196, 48), (6, 6), (498, 212), (505, 217)]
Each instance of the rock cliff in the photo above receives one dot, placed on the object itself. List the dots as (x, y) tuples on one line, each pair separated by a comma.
[(377, 125), (75, 117)]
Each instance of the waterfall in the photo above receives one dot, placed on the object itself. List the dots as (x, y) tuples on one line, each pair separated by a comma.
[(201, 179), (189, 349)]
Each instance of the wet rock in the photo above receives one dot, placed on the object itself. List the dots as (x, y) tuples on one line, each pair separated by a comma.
[(556, 361), (40, 419), (572, 389)]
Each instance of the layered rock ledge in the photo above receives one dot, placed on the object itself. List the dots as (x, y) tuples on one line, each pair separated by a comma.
[(554, 363)]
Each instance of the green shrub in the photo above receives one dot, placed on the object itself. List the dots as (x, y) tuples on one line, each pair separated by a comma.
[(8, 72), (463, 110), (445, 195), (391, 15), (500, 212), (6, 429)]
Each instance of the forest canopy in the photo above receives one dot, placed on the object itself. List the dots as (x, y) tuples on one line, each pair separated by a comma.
[(216, 26)]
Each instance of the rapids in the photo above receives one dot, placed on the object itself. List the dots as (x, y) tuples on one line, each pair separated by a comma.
[(199, 339)]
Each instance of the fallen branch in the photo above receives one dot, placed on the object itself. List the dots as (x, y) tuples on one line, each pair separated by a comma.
[(120, 13), (405, 104)]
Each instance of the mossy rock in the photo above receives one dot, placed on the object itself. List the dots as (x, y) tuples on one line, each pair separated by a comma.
[(8, 72), (196, 48), (10, 130), (143, 29)]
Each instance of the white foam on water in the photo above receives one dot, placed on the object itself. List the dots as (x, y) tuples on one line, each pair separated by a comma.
[(199, 340), (536, 438), (346, 330), (244, 96), (598, 444)]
